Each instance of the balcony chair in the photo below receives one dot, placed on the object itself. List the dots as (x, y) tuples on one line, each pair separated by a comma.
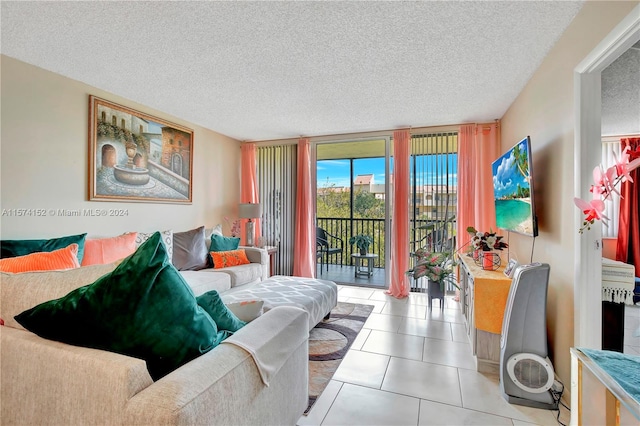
[(326, 244)]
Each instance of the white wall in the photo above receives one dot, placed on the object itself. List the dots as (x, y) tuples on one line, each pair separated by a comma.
[(44, 162), (545, 111)]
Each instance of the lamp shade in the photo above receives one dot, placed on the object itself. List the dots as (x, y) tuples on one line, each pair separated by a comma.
[(249, 211)]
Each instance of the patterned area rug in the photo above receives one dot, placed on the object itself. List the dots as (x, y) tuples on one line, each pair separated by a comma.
[(329, 342)]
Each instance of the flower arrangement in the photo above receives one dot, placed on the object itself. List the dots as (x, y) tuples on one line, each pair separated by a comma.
[(486, 241), (436, 266), (235, 226), (604, 184)]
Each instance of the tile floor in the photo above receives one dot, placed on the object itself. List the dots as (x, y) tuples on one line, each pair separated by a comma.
[(412, 366)]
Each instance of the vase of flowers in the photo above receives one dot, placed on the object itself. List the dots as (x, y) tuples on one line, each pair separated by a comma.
[(483, 244)]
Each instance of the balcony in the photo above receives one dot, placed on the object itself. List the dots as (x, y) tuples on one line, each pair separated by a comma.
[(340, 267)]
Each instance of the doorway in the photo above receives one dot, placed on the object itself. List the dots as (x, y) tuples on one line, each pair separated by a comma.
[(588, 264), (352, 187)]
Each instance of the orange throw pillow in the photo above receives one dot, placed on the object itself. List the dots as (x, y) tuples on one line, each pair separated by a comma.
[(107, 250), (224, 259), (65, 258)]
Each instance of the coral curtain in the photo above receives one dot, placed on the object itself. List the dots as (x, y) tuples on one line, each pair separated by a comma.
[(249, 186), (305, 233), (628, 245), (478, 147), (400, 221)]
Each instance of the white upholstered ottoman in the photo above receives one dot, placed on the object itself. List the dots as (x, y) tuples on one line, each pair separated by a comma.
[(315, 296)]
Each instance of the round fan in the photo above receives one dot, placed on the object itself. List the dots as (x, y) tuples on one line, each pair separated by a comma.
[(530, 372)]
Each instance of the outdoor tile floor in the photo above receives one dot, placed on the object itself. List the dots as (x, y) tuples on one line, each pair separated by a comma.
[(412, 366)]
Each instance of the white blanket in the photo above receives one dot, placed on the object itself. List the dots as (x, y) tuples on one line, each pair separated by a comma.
[(271, 346)]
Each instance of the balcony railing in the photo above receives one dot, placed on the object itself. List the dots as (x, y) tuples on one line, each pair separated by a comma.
[(435, 235)]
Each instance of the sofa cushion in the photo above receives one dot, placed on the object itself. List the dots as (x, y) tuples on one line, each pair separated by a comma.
[(12, 248), (225, 259), (99, 251), (19, 292), (243, 274), (64, 258), (190, 251), (144, 309), (246, 310), (167, 239), (206, 280), (221, 315), (221, 243)]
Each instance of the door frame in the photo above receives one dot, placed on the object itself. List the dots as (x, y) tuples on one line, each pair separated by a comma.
[(387, 188), (588, 133)]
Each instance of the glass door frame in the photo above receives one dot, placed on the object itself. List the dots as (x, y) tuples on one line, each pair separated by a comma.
[(387, 187)]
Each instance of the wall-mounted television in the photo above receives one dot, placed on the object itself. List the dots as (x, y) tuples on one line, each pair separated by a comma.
[(513, 190)]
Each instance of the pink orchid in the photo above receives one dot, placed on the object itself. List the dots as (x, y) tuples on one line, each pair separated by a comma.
[(604, 182), (593, 209), (622, 165)]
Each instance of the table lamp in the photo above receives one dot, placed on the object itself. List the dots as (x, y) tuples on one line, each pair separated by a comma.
[(249, 211)]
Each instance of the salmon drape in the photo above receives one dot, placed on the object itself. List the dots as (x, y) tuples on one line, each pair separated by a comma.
[(249, 186), (478, 147), (628, 245), (305, 232), (400, 221)]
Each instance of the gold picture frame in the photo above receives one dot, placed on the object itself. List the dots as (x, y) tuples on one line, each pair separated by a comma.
[(137, 157)]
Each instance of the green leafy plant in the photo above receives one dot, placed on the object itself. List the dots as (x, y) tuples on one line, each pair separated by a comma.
[(436, 266), (361, 241)]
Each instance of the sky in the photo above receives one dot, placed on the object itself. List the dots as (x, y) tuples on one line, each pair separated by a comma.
[(336, 172), (506, 176)]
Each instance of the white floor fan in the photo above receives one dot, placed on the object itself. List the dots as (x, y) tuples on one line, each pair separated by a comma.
[(526, 373)]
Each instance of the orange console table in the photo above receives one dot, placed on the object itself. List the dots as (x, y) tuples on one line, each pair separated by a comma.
[(483, 296)]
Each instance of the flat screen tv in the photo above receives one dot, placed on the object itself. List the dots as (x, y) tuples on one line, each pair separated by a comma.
[(513, 190)]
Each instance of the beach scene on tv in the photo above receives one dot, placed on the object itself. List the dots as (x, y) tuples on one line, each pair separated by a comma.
[(512, 190)]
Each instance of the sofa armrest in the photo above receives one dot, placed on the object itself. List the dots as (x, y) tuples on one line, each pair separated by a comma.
[(224, 386), (258, 255), (49, 382)]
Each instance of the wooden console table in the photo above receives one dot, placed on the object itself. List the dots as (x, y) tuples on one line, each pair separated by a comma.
[(483, 297)]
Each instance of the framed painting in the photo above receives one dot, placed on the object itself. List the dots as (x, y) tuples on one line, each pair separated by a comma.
[(137, 157)]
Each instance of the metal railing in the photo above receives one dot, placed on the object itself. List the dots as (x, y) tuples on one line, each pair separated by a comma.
[(423, 232)]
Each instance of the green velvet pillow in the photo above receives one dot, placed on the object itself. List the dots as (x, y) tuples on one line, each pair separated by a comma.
[(143, 308), (217, 310), (220, 243), (13, 248)]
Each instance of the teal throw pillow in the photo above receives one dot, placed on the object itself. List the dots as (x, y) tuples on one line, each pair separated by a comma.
[(143, 308), (13, 248), (218, 311), (220, 243)]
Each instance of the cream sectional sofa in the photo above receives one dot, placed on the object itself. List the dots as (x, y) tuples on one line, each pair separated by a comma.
[(223, 279), (49, 382)]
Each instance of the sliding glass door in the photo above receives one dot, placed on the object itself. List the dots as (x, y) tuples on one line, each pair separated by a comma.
[(352, 188)]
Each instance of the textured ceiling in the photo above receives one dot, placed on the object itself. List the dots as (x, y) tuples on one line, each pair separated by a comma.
[(271, 70)]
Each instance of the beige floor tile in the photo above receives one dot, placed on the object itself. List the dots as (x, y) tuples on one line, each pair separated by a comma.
[(357, 405), (393, 344), (358, 292), (459, 333), (426, 328), (436, 414), (423, 380), (381, 295), (448, 315), (383, 322), (453, 354), (322, 405), (362, 368), (481, 392), (405, 310), (377, 304), (360, 339)]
